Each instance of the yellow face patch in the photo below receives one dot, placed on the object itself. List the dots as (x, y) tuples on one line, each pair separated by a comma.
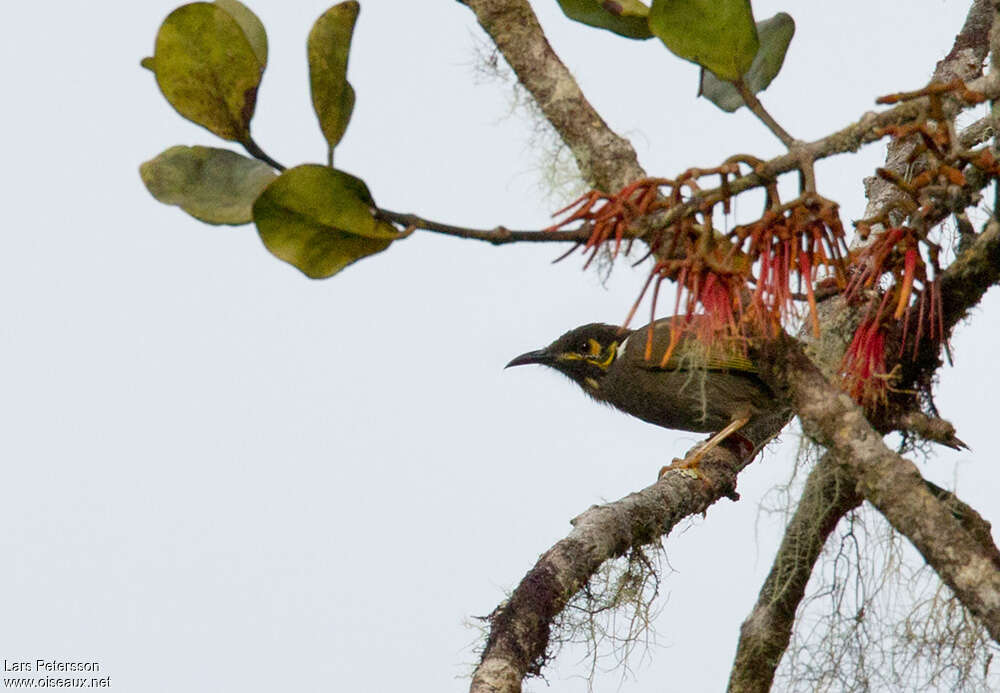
[(605, 359), (595, 355)]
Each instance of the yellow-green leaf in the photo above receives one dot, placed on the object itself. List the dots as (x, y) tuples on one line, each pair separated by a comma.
[(719, 35), (328, 49), (252, 27), (775, 35), (215, 185), (207, 69), (320, 220), (623, 17)]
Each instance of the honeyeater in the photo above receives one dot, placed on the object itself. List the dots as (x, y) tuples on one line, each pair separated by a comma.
[(703, 387)]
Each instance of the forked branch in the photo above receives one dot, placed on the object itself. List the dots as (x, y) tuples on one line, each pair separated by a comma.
[(890, 483)]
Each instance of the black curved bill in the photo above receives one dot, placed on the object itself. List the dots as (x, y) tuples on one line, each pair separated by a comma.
[(539, 356)]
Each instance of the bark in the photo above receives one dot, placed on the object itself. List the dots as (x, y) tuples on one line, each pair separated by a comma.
[(950, 536), (764, 635), (891, 483), (606, 161), (967, 279), (519, 628), (766, 632), (964, 61), (829, 494)]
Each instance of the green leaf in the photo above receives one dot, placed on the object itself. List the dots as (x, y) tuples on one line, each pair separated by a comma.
[(320, 220), (775, 35), (719, 35), (207, 69), (251, 25), (215, 185), (328, 49), (623, 17)]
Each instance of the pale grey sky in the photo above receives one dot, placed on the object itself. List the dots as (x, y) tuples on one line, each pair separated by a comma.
[(220, 475)]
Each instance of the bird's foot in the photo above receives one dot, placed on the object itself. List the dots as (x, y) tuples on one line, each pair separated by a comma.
[(688, 466)]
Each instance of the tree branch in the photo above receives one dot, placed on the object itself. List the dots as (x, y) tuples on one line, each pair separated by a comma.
[(829, 494), (766, 632), (607, 161), (970, 275), (830, 489), (519, 628), (837, 143), (964, 61), (869, 128), (890, 483)]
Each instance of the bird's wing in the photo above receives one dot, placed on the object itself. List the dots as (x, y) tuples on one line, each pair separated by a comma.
[(688, 353)]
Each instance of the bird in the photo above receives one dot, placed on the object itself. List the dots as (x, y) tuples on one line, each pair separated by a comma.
[(699, 386)]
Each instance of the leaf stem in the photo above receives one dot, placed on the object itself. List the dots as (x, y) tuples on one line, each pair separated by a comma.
[(254, 150), (758, 110)]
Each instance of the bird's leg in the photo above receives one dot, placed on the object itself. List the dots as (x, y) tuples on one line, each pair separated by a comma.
[(689, 465)]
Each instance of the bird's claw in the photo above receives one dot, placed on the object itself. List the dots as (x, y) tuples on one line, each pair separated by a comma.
[(687, 467)]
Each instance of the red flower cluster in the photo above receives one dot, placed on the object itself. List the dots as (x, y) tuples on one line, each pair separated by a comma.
[(913, 295), (758, 277), (802, 240)]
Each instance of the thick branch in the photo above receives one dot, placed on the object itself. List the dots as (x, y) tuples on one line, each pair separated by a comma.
[(972, 273), (607, 161), (519, 633), (967, 279), (519, 629), (766, 632), (829, 494), (964, 61), (971, 45), (830, 490), (952, 537), (890, 483), (971, 521)]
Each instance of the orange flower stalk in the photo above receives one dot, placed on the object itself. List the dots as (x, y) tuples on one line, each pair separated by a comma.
[(612, 215), (897, 252), (799, 239), (863, 366)]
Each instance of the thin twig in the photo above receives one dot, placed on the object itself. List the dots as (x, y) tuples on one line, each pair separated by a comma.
[(497, 236)]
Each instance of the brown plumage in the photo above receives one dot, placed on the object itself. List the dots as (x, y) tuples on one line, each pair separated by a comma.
[(701, 388)]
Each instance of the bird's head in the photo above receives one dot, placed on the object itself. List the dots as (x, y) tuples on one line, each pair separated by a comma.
[(584, 354)]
